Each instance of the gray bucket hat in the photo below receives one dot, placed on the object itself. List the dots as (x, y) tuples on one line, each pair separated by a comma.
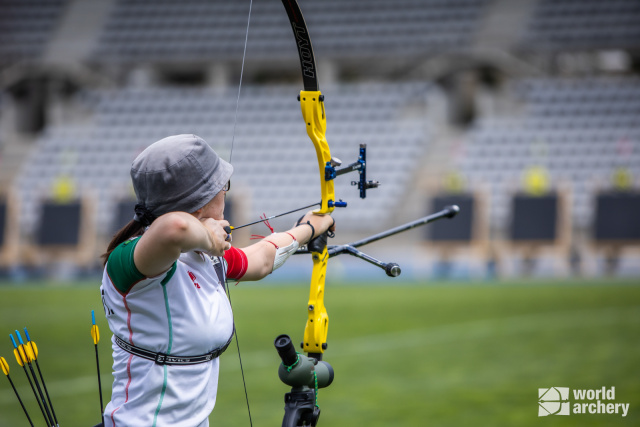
[(178, 173)]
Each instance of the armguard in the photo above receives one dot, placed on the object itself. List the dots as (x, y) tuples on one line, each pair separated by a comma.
[(282, 254)]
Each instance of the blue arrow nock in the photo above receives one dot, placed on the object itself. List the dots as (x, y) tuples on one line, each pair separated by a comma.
[(19, 337), (13, 341), (26, 334), (93, 317)]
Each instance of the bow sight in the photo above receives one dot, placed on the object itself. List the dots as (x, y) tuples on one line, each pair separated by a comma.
[(360, 165)]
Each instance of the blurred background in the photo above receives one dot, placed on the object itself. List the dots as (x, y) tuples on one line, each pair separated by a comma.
[(525, 113)]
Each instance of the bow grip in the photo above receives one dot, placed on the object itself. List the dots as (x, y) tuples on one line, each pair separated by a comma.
[(319, 243)]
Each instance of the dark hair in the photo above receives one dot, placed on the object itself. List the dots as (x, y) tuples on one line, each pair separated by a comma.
[(132, 229)]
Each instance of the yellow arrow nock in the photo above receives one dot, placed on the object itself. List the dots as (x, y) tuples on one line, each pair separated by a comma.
[(5, 366)]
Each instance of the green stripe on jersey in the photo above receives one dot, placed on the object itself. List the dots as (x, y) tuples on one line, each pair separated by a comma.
[(121, 268), (164, 391), (123, 271), (170, 325)]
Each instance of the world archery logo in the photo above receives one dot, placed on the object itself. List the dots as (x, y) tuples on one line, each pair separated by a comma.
[(553, 401)]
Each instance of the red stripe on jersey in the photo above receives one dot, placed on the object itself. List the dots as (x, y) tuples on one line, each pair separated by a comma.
[(126, 389), (112, 420), (124, 299)]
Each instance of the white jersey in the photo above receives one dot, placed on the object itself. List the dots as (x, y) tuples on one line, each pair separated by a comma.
[(183, 312)]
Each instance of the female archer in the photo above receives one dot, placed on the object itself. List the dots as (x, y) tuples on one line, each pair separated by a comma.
[(164, 279)]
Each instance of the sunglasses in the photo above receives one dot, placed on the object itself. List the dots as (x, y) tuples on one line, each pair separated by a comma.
[(227, 187)]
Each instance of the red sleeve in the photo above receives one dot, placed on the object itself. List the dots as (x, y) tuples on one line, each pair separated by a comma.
[(237, 262)]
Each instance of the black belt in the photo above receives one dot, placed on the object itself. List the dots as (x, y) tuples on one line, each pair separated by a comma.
[(168, 359)]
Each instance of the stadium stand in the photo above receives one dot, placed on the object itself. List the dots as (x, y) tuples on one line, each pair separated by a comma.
[(26, 27), (565, 25), (270, 143), (580, 130), (476, 88), (169, 31)]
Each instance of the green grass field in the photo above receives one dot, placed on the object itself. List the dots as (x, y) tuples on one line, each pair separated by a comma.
[(407, 354)]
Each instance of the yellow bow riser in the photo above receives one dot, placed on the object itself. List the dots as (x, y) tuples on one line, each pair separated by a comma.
[(313, 113), (315, 332), (312, 106)]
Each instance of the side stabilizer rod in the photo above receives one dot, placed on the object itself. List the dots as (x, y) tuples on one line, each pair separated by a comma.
[(391, 268)]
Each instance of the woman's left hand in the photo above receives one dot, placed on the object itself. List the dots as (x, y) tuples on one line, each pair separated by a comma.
[(320, 223)]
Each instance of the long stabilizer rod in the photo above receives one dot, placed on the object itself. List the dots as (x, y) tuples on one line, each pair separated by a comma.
[(447, 212)]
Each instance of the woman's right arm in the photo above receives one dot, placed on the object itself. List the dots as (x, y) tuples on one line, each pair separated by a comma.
[(175, 233), (261, 255)]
